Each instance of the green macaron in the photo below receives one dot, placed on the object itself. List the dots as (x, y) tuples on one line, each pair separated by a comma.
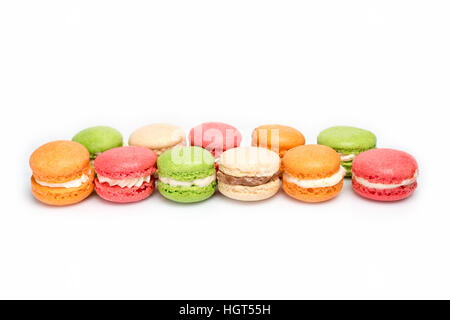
[(99, 139), (348, 142), (186, 174)]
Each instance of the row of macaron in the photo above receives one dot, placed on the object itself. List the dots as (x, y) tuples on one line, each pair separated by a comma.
[(66, 172)]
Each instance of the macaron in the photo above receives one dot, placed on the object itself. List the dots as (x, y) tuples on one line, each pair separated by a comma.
[(312, 173), (186, 174), (158, 137), (62, 174), (348, 142), (125, 174), (384, 174), (249, 173), (216, 137), (99, 139), (277, 138)]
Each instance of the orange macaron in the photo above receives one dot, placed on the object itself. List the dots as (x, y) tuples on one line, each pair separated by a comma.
[(62, 174), (312, 173), (277, 138)]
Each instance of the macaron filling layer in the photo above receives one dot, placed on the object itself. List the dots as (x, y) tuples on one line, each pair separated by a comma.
[(316, 183), (69, 184), (161, 150), (347, 157), (203, 182), (125, 183), (383, 186), (249, 181)]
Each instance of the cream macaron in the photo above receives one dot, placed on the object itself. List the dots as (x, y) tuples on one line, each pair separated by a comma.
[(158, 137), (249, 173)]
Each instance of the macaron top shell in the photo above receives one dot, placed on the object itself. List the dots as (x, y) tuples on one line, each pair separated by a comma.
[(157, 136), (186, 163), (126, 162), (249, 161), (99, 139), (215, 137), (387, 166), (59, 161), (347, 140), (277, 136), (311, 162)]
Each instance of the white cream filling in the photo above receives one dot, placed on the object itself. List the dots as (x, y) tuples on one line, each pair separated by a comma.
[(317, 183), (369, 184), (69, 184), (128, 183), (347, 157), (198, 182)]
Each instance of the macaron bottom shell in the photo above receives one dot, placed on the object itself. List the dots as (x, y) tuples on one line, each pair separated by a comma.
[(348, 167), (62, 196), (312, 194), (246, 193), (124, 195), (186, 194), (393, 194)]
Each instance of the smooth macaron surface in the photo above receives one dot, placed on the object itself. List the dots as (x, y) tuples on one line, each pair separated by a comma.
[(249, 161), (347, 140), (311, 162), (313, 165), (385, 166), (127, 167), (61, 163), (185, 165), (277, 138), (99, 139), (158, 137), (126, 162), (216, 137), (384, 174)]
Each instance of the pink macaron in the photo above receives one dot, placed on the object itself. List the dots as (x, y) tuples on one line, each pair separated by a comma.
[(216, 137), (384, 174), (125, 174)]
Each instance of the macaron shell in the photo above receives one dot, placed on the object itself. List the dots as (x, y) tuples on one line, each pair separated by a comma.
[(186, 194), (275, 136), (387, 166), (311, 162), (157, 136), (99, 139), (384, 194), (312, 194), (249, 161), (216, 137), (59, 161), (126, 162), (347, 140), (245, 193), (62, 196), (124, 195), (186, 164)]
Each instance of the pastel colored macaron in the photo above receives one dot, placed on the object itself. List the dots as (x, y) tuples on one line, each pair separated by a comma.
[(62, 174), (158, 137), (216, 137), (249, 173), (99, 139), (348, 142), (312, 173), (186, 174), (277, 138), (384, 174), (125, 174)]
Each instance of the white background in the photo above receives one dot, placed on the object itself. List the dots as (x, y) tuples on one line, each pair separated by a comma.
[(379, 65)]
